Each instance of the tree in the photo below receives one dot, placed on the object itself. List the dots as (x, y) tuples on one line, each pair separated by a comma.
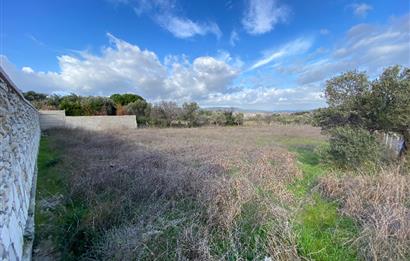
[(382, 105), (164, 113), (97, 106), (126, 98), (239, 118), (34, 96), (190, 113), (72, 105), (229, 117), (140, 109), (390, 102)]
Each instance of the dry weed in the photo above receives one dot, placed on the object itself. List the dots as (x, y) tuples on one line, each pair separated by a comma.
[(381, 205), (132, 181)]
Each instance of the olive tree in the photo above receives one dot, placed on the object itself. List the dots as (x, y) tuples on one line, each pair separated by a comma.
[(379, 105)]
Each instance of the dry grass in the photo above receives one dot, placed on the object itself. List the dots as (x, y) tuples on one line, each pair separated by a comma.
[(208, 193), (381, 203), (221, 194)]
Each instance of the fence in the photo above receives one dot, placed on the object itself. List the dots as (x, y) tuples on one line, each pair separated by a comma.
[(393, 141)]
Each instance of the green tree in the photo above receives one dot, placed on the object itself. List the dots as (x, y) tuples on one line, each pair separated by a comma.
[(390, 102), (72, 105), (126, 98), (97, 106), (34, 96), (382, 104), (140, 109), (190, 113), (239, 118)]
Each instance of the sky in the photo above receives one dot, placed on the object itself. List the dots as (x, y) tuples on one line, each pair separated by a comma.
[(253, 54)]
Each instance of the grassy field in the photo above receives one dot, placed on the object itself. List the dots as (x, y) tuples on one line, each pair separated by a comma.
[(229, 193)]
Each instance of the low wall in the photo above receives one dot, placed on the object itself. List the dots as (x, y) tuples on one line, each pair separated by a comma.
[(52, 119), (19, 141), (57, 119), (101, 122)]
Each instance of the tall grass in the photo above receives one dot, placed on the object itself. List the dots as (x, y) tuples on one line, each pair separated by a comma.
[(244, 193), (166, 195)]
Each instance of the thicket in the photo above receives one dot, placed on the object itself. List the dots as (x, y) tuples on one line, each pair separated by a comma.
[(162, 114), (359, 110)]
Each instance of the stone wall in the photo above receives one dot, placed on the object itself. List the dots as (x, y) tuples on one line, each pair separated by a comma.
[(19, 141)]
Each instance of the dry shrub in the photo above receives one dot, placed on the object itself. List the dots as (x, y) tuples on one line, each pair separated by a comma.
[(380, 203)]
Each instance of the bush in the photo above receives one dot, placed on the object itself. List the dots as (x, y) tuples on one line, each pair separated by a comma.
[(353, 148), (140, 109)]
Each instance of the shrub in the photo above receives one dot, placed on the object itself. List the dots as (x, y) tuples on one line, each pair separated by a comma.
[(353, 148), (140, 109)]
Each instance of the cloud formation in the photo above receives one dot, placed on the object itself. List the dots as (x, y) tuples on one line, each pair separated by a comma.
[(365, 47), (298, 46), (233, 38), (261, 16), (361, 9), (182, 27), (165, 14), (289, 76), (123, 67)]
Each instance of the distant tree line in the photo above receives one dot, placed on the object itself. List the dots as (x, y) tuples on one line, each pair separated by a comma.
[(302, 117), (162, 114)]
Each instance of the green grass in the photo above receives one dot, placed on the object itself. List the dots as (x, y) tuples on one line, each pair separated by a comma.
[(49, 181), (322, 232), (60, 222), (309, 164), (49, 185)]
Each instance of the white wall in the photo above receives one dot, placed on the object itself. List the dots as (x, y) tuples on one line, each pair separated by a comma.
[(57, 119)]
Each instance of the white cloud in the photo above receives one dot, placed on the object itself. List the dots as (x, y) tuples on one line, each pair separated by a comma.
[(205, 75), (27, 70), (261, 16), (185, 28), (165, 14), (124, 67), (233, 38), (365, 47), (295, 47), (294, 82), (324, 31), (270, 98), (361, 9)]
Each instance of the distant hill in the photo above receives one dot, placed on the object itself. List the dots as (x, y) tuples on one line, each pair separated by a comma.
[(237, 109)]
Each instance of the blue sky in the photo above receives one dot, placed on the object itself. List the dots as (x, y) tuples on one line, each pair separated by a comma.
[(255, 54)]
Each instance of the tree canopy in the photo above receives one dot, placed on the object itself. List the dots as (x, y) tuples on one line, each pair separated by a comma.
[(382, 104)]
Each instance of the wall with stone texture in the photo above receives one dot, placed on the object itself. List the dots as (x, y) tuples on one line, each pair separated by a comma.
[(19, 142)]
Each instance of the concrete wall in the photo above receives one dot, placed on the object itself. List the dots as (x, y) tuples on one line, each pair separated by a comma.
[(57, 119), (19, 141), (101, 122), (52, 119)]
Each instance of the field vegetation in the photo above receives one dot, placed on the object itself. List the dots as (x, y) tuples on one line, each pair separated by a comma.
[(161, 114), (267, 192)]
